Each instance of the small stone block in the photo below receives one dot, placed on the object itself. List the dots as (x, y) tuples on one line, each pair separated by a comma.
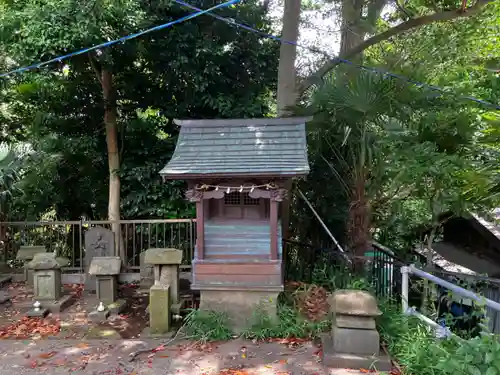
[(44, 261), (344, 360), (4, 297), (159, 309), (47, 284), (98, 316), (41, 313), (28, 252), (356, 341), (106, 289), (354, 302), (163, 256), (4, 280), (357, 322), (61, 304), (63, 261), (105, 266), (117, 307)]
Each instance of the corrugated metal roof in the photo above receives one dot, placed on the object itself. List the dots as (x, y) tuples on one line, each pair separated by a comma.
[(240, 147)]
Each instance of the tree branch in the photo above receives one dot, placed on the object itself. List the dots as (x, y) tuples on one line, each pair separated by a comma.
[(95, 67), (396, 30)]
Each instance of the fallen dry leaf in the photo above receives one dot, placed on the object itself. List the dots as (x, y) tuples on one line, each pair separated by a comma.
[(47, 355)]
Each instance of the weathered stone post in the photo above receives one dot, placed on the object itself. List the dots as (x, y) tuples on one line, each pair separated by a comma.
[(165, 291), (46, 277), (166, 269), (26, 254), (106, 271), (354, 341), (47, 285)]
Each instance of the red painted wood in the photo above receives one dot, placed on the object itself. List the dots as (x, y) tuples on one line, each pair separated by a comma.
[(273, 218), (236, 269), (242, 257), (200, 229), (237, 279)]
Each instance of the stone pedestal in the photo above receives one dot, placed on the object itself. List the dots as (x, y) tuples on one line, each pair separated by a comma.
[(46, 277), (26, 254), (159, 309), (47, 286), (165, 264), (354, 341), (240, 305), (106, 271)]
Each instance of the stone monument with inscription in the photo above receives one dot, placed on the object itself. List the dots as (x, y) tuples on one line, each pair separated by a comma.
[(354, 341), (47, 286), (99, 242)]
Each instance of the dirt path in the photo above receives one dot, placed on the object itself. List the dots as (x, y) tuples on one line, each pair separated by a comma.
[(237, 357)]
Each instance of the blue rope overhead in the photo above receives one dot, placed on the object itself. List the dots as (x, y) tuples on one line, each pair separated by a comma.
[(121, 40), (387, 73)]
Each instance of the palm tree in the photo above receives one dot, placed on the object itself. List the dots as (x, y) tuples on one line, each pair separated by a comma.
[(352, 116)]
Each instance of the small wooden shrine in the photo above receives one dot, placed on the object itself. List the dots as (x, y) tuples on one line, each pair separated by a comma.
[(236, 172)]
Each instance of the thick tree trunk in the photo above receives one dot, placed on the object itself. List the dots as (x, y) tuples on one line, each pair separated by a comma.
[(352, 34), (287, 94), (113, 157)]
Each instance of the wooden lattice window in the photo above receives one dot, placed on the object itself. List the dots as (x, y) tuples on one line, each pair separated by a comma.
[(232, 199), (247, 201)]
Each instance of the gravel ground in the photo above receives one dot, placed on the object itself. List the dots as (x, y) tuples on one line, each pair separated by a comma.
[(236, 357)]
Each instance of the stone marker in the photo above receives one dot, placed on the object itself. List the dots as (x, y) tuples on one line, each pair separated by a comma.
[(46, 277), (354, 341), (159, 309), (4, 297), (26, 254), (146, 272), (99, 242), (166, 269), (106, 271)]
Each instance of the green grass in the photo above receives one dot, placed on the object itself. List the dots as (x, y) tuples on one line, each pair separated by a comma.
[(413, 345)]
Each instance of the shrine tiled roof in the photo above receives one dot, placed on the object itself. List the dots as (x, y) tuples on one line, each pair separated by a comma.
[(244, 147)]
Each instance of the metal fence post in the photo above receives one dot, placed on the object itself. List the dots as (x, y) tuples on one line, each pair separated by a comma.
[(405, 285)]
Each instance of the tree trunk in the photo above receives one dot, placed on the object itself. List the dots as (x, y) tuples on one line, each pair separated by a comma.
[(113, 157), (352, 34), (412, 23), (288, 53), (359, 220), (287, 94)]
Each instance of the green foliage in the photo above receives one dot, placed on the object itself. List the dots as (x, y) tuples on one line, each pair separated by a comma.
[(207, 326), (288, 324), (416, 349), (197, 69)]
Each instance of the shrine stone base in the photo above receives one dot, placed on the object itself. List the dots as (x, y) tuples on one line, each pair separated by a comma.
[(240, 305), (331, 358)]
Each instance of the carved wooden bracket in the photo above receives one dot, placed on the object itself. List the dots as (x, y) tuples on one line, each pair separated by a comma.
[(259, 193), (278, 195), (194, 195)]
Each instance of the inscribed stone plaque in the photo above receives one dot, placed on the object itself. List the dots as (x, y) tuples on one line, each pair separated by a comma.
[(47, 285), (99, 242)]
